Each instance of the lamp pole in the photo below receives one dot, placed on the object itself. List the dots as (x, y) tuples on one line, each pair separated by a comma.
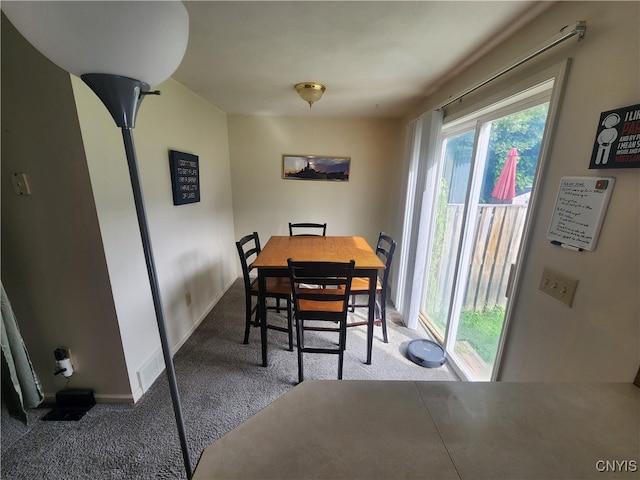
[(124, 38), (118, 37), (122, 97)]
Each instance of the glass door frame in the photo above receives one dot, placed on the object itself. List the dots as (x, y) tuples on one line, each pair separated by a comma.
[(478, 161), (521, 97)]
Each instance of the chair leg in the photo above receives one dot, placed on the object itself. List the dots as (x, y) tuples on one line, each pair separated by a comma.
[(341, 345), (290, 324), (247, 325), (299, 327), (383, 317)]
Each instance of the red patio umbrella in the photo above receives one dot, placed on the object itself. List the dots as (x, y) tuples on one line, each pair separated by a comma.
[(505, 187)]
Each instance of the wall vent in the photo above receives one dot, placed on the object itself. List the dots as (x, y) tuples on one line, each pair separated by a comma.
[(151, 370)]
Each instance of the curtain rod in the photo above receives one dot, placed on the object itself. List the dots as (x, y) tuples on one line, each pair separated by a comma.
[(578, 28)]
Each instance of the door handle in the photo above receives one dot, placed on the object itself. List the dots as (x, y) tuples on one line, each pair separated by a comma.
[(512, 271)]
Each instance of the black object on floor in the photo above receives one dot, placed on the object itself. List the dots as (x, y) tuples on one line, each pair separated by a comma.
[(71, 405), (65, 414), (426, 353)]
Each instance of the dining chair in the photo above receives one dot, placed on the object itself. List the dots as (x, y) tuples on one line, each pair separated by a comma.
[(308, 229), (360, 286), (278, 288), (321, 309)]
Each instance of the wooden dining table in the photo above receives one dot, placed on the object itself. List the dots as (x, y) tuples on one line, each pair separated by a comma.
[(272, 262)]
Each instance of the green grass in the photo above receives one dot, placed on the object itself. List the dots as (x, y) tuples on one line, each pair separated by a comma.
[(482, 331)]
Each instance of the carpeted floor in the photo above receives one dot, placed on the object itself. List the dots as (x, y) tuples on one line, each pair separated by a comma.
[(221, 384)]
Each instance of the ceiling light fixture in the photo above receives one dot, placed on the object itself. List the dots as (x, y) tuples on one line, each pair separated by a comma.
[(119, 49), (310, 92)]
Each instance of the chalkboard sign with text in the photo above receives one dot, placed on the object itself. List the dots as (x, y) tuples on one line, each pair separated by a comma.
[(579, 211), (185, 177)]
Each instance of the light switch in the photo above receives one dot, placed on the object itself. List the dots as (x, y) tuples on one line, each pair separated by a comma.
[(20, 184), (558, 285)]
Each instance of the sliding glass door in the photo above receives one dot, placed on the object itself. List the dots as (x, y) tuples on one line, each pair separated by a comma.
[(445, 243), (485, 174)]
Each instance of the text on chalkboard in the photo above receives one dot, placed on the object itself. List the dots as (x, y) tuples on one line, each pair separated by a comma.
[(185, 177)]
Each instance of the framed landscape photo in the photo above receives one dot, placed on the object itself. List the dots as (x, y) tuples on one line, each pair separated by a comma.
[(315, 167)]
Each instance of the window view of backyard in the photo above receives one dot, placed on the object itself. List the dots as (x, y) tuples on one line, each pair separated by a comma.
[(470, 257)]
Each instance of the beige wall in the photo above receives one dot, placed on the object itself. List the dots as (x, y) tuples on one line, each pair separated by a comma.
[(598, 339), (263, 201), (53, 267), (192, 244), (72, 260)]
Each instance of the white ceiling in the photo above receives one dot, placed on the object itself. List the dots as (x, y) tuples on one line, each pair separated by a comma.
[(377, 58)]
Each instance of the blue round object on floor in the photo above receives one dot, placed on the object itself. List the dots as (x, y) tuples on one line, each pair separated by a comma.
[(426, 353)]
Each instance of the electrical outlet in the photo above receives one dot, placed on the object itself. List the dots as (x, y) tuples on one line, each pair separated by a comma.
[(188, 298), (20, 184), (558, 286)]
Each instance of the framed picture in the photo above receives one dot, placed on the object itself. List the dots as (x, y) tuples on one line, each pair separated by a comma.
[(185, 177), (315, 167)]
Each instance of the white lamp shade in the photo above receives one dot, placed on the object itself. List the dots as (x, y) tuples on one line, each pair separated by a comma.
[(141, 40)]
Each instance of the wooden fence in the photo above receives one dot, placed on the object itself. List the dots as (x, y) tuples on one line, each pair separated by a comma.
[(498, 234)]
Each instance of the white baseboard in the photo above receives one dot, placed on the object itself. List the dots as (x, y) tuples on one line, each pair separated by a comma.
[(153, 368)]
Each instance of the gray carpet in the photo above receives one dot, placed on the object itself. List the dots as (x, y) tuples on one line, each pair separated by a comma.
[(221, 384)]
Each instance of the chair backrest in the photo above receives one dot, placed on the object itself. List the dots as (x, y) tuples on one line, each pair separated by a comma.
[(329, 298), (385, 249), (308, 229), (248, 248)]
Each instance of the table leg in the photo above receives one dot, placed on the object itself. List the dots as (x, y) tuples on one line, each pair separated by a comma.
[(262, 313), (373, 277)]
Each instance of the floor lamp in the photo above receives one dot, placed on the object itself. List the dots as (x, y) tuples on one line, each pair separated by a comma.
[(118, 49)]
